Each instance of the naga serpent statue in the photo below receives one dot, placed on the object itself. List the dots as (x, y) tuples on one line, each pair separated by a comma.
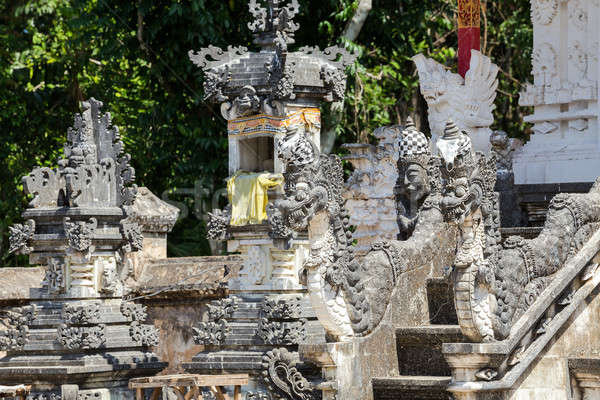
[(350, 294), (495, 283)]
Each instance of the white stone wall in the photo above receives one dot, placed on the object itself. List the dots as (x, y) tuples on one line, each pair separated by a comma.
[(565, 145)]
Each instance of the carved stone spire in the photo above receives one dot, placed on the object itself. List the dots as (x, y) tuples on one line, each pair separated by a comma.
[(275, 76), (274, 26), (80, 206)]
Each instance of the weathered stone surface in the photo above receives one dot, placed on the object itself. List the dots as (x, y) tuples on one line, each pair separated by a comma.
[(362, 288), (152, 213), (564, 94), (17, 283), (196, 276), (247, 83), (370, 195)]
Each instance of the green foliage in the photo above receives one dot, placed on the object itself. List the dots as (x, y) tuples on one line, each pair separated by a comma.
[(133, 56)]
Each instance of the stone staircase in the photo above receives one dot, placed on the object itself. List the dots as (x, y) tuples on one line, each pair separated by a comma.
[(423, 371)]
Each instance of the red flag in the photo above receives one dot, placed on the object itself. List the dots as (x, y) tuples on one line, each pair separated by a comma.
[(468, 32)]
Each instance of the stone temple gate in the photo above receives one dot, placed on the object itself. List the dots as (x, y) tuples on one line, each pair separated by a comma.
[(411, 278)]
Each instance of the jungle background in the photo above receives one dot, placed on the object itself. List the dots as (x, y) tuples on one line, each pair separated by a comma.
[(132, 55)]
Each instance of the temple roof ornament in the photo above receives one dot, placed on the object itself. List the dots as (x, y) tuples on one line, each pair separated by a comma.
[(274, 25), (274, 75)]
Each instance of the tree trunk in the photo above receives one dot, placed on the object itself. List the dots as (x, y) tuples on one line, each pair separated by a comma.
[(351, 32)]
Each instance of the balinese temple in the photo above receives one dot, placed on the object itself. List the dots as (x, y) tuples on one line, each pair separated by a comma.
[(409, 279)]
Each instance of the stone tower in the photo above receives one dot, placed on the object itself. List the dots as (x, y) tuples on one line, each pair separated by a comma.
[(78, 225)]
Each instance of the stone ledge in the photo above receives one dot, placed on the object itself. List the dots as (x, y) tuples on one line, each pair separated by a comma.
[(429, 334), (412, 382)]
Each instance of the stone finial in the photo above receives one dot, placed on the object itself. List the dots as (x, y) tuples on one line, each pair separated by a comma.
[(273, 26), (232, 78), (453, 143), (94, 170)]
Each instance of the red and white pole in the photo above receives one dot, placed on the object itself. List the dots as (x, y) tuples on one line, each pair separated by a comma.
[(468, 32)]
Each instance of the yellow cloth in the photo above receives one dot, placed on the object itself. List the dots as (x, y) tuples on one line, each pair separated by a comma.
[(248, 196)]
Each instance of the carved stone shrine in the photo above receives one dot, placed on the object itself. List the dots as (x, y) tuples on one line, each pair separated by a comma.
[(80, 226)]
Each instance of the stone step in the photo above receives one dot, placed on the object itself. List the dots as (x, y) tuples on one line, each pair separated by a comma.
[(420, 349), (440, 299), (411, 387)]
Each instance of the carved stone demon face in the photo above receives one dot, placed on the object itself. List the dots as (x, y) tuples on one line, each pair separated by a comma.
[(247, 102)]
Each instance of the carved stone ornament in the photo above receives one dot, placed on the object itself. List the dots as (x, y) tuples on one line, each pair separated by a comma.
[(44, 396), (218, 222), (282, 378), (543, 11), (215, 81), (578, 16), (223, 308), (281, 307), (96, 171), (111, 284), (81, 314), (92, 337), (257, 396), (281, 75), (578, 58), (274, 24), (21, 236), (247, 103), (335, 56), (37, 184), (211, 332), (335, 82), (143, 335), (79, 234), (469, 102), (334, 275), (133, 312), (219, 57), (54, 280), (545, 65), (89, 395), (504, 148), (282, 333), (132, 235), (15, 323), (494, 285)]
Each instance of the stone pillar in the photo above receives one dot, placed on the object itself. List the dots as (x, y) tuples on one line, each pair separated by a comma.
[(589, 383), (566, 139), (464, 368)]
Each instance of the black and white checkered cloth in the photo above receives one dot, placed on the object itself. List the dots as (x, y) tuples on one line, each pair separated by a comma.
[(413, 143)]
